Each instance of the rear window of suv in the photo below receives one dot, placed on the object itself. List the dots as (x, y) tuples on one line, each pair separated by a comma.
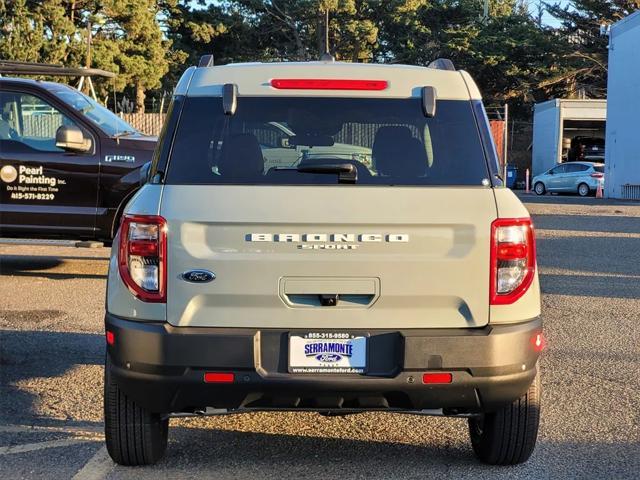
[(273, 141)]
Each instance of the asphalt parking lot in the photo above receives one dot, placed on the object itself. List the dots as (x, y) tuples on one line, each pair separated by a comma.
[(51, 356)]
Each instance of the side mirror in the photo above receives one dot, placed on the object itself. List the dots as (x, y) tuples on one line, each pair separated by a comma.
[(145, 170), (71, 139)]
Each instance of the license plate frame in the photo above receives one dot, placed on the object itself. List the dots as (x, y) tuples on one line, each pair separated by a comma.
[(328, 353)]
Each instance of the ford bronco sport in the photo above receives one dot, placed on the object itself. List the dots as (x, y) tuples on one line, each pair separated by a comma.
[(336, 283)]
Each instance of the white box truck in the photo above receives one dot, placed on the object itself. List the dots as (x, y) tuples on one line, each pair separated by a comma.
[(561, 127)]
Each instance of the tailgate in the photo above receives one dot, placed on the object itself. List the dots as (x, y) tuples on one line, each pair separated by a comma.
[(329, 256)]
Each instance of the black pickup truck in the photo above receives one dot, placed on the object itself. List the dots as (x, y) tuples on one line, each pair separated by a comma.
[(68, 165)]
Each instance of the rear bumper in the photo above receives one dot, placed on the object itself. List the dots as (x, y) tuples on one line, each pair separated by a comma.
[(162, 368), (593, 182)]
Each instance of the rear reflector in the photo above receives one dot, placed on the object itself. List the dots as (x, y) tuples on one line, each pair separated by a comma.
[(431, 378), (597, 175), (218, 377), (538, 342), (327, 84), (111, 338)]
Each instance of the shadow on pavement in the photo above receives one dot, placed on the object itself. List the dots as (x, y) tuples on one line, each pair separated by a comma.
[(232, 454), (591, 286), (566, 199), (32, 354), (588, 223), (611, 266), (597, 254), (54, 268)]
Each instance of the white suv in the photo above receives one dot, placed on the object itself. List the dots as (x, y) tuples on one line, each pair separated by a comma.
[(400, 281)]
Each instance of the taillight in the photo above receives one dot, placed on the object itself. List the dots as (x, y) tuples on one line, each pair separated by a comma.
[(513, 259), (597, 175), (142, 256)]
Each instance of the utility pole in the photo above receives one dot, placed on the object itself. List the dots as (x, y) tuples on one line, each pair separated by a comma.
[(88, 65), (485, 14)]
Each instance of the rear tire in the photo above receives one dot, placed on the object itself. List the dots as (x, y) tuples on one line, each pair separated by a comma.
[(508, 436), (133, 435), (584, 190), (539, 188)]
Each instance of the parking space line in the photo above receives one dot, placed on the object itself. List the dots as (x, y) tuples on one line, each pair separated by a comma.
[(84, 431), (31, 447), (97, 468)]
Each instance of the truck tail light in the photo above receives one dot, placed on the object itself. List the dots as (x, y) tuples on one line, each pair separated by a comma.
[(142, 256), (513, 259), (597, 175)]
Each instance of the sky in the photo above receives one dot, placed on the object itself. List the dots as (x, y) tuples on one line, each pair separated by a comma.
[(548, 19)]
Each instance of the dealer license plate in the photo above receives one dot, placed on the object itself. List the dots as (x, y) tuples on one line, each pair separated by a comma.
[(327, 352)]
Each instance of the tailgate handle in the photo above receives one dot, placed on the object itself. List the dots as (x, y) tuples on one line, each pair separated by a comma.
[(329, 291)]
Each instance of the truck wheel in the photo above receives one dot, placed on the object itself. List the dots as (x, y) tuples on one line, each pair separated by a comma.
[(539, 188), (133, 435), (508, 436), (583, 190)]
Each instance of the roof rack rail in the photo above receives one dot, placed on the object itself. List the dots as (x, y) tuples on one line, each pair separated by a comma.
[(442, 64), (206, 61), (11, 67)]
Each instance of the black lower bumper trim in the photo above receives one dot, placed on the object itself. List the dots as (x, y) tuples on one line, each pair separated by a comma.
[(162, 368)]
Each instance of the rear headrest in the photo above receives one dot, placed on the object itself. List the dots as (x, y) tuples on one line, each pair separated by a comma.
[(241, 157), (397, 154), (387, 135)]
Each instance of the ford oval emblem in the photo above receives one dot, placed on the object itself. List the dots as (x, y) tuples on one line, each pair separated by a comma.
[(329, 357), (198, 276)]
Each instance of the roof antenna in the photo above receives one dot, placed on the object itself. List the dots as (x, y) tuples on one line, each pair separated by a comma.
[(326, 56)]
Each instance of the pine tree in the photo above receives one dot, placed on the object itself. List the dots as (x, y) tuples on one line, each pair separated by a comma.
[(295, 29), (509, 54), (130, 41), (35, 31), (586, 52)]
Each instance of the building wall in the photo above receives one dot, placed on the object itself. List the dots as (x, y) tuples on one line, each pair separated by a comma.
[(623, 120), (546, 130)]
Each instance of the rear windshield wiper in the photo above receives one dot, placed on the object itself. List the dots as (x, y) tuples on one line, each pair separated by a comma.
[(347, 172)]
